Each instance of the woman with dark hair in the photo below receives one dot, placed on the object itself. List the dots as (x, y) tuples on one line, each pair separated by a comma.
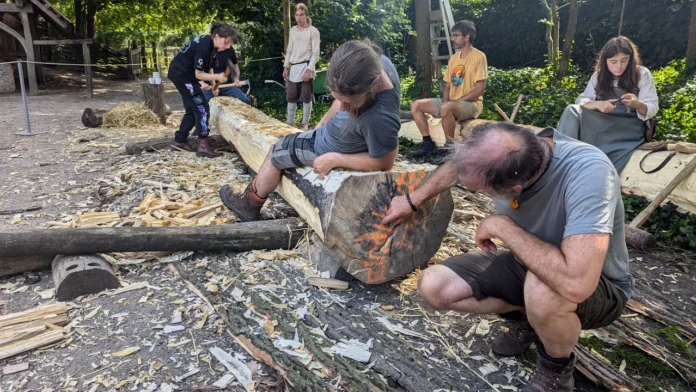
[(188, 70), (616, 110)]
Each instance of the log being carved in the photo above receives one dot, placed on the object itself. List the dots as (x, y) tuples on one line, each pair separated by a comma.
[(345, 209)]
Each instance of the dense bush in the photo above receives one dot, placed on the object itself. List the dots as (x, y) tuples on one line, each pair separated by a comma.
[(545, 98), (669, 226)]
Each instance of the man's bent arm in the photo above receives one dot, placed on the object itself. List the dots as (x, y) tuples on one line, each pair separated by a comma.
[(573, 270), (443, 179), (476, 92), (446, 93), (363, 161)]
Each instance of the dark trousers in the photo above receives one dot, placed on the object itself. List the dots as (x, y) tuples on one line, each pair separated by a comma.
[(197, 110), (235, 92)]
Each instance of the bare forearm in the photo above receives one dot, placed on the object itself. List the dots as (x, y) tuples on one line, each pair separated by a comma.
[(200, 75), (443, 179), (545, 260), (475, 93), (362, 162)]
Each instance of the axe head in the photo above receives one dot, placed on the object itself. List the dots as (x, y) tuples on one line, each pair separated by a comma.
[(231, 71)]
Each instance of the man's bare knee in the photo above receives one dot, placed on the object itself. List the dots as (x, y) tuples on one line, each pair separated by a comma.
[(542, 303), (439, 286), (416, 107)]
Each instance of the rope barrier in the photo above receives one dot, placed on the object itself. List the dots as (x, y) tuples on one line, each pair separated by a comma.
[(112, 65)]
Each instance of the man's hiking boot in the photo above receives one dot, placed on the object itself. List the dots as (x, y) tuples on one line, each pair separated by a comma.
[(427, 147), (515, 341), (247, 206), (552, 377), (182, 146), (204, 149)]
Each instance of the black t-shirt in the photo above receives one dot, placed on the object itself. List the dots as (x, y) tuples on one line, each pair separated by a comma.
[(220, 62), (197, 54)]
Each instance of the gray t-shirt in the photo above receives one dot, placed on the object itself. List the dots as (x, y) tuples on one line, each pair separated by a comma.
[(375, 131), (579, 193)]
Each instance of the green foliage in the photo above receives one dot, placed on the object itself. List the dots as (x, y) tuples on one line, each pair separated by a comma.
[(666, 223), (510, 34), (637, 362), (544, 97), (673, 336), (677, 119)]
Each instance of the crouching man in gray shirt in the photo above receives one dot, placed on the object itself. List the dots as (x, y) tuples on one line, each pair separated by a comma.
[(363, 133), (561, 215)]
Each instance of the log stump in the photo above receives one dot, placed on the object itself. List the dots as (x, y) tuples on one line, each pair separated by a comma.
[(347, 207), (154, 100), (79, 275)]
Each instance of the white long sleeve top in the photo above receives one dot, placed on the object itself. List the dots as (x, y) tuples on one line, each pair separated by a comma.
[(647, 93), (303, 45)]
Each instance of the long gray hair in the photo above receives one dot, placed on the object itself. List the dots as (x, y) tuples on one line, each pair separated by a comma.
[(355, 70)]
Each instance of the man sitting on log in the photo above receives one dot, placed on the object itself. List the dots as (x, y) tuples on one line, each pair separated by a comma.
[(567, 264), (367, 86), (462, 99)]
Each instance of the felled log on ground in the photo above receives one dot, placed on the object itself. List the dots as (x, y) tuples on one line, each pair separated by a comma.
[(17, 246), (345, 209), (154, 100), (410, 131), (638, 238), (217, 142), (77, 275)]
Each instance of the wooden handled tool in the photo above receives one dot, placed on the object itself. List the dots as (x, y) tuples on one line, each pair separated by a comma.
[(231, 71)]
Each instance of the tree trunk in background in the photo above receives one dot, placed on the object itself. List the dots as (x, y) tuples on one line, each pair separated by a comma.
[(287, 21), (424, 78), (548, 34), (91, 18), (79, 18), (143, 56), (623, 8), (569, 37), (155, 60), (556, 30), (691, 48)]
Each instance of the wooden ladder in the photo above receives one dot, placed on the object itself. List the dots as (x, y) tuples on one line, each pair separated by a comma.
[(441, 22)]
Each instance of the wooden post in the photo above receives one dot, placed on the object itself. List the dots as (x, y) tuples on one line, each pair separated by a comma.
[(33, 20), (155, 60), (154, 99), (287, 20), (88, 69), (424, 61), (645, 214), (79, 275), (29, 45)]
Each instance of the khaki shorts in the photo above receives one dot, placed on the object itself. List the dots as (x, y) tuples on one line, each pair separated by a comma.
[(469, 110), (500, 275), (299, 91)]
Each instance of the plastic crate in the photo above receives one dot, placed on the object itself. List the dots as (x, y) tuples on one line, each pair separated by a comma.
[(320, 83)]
